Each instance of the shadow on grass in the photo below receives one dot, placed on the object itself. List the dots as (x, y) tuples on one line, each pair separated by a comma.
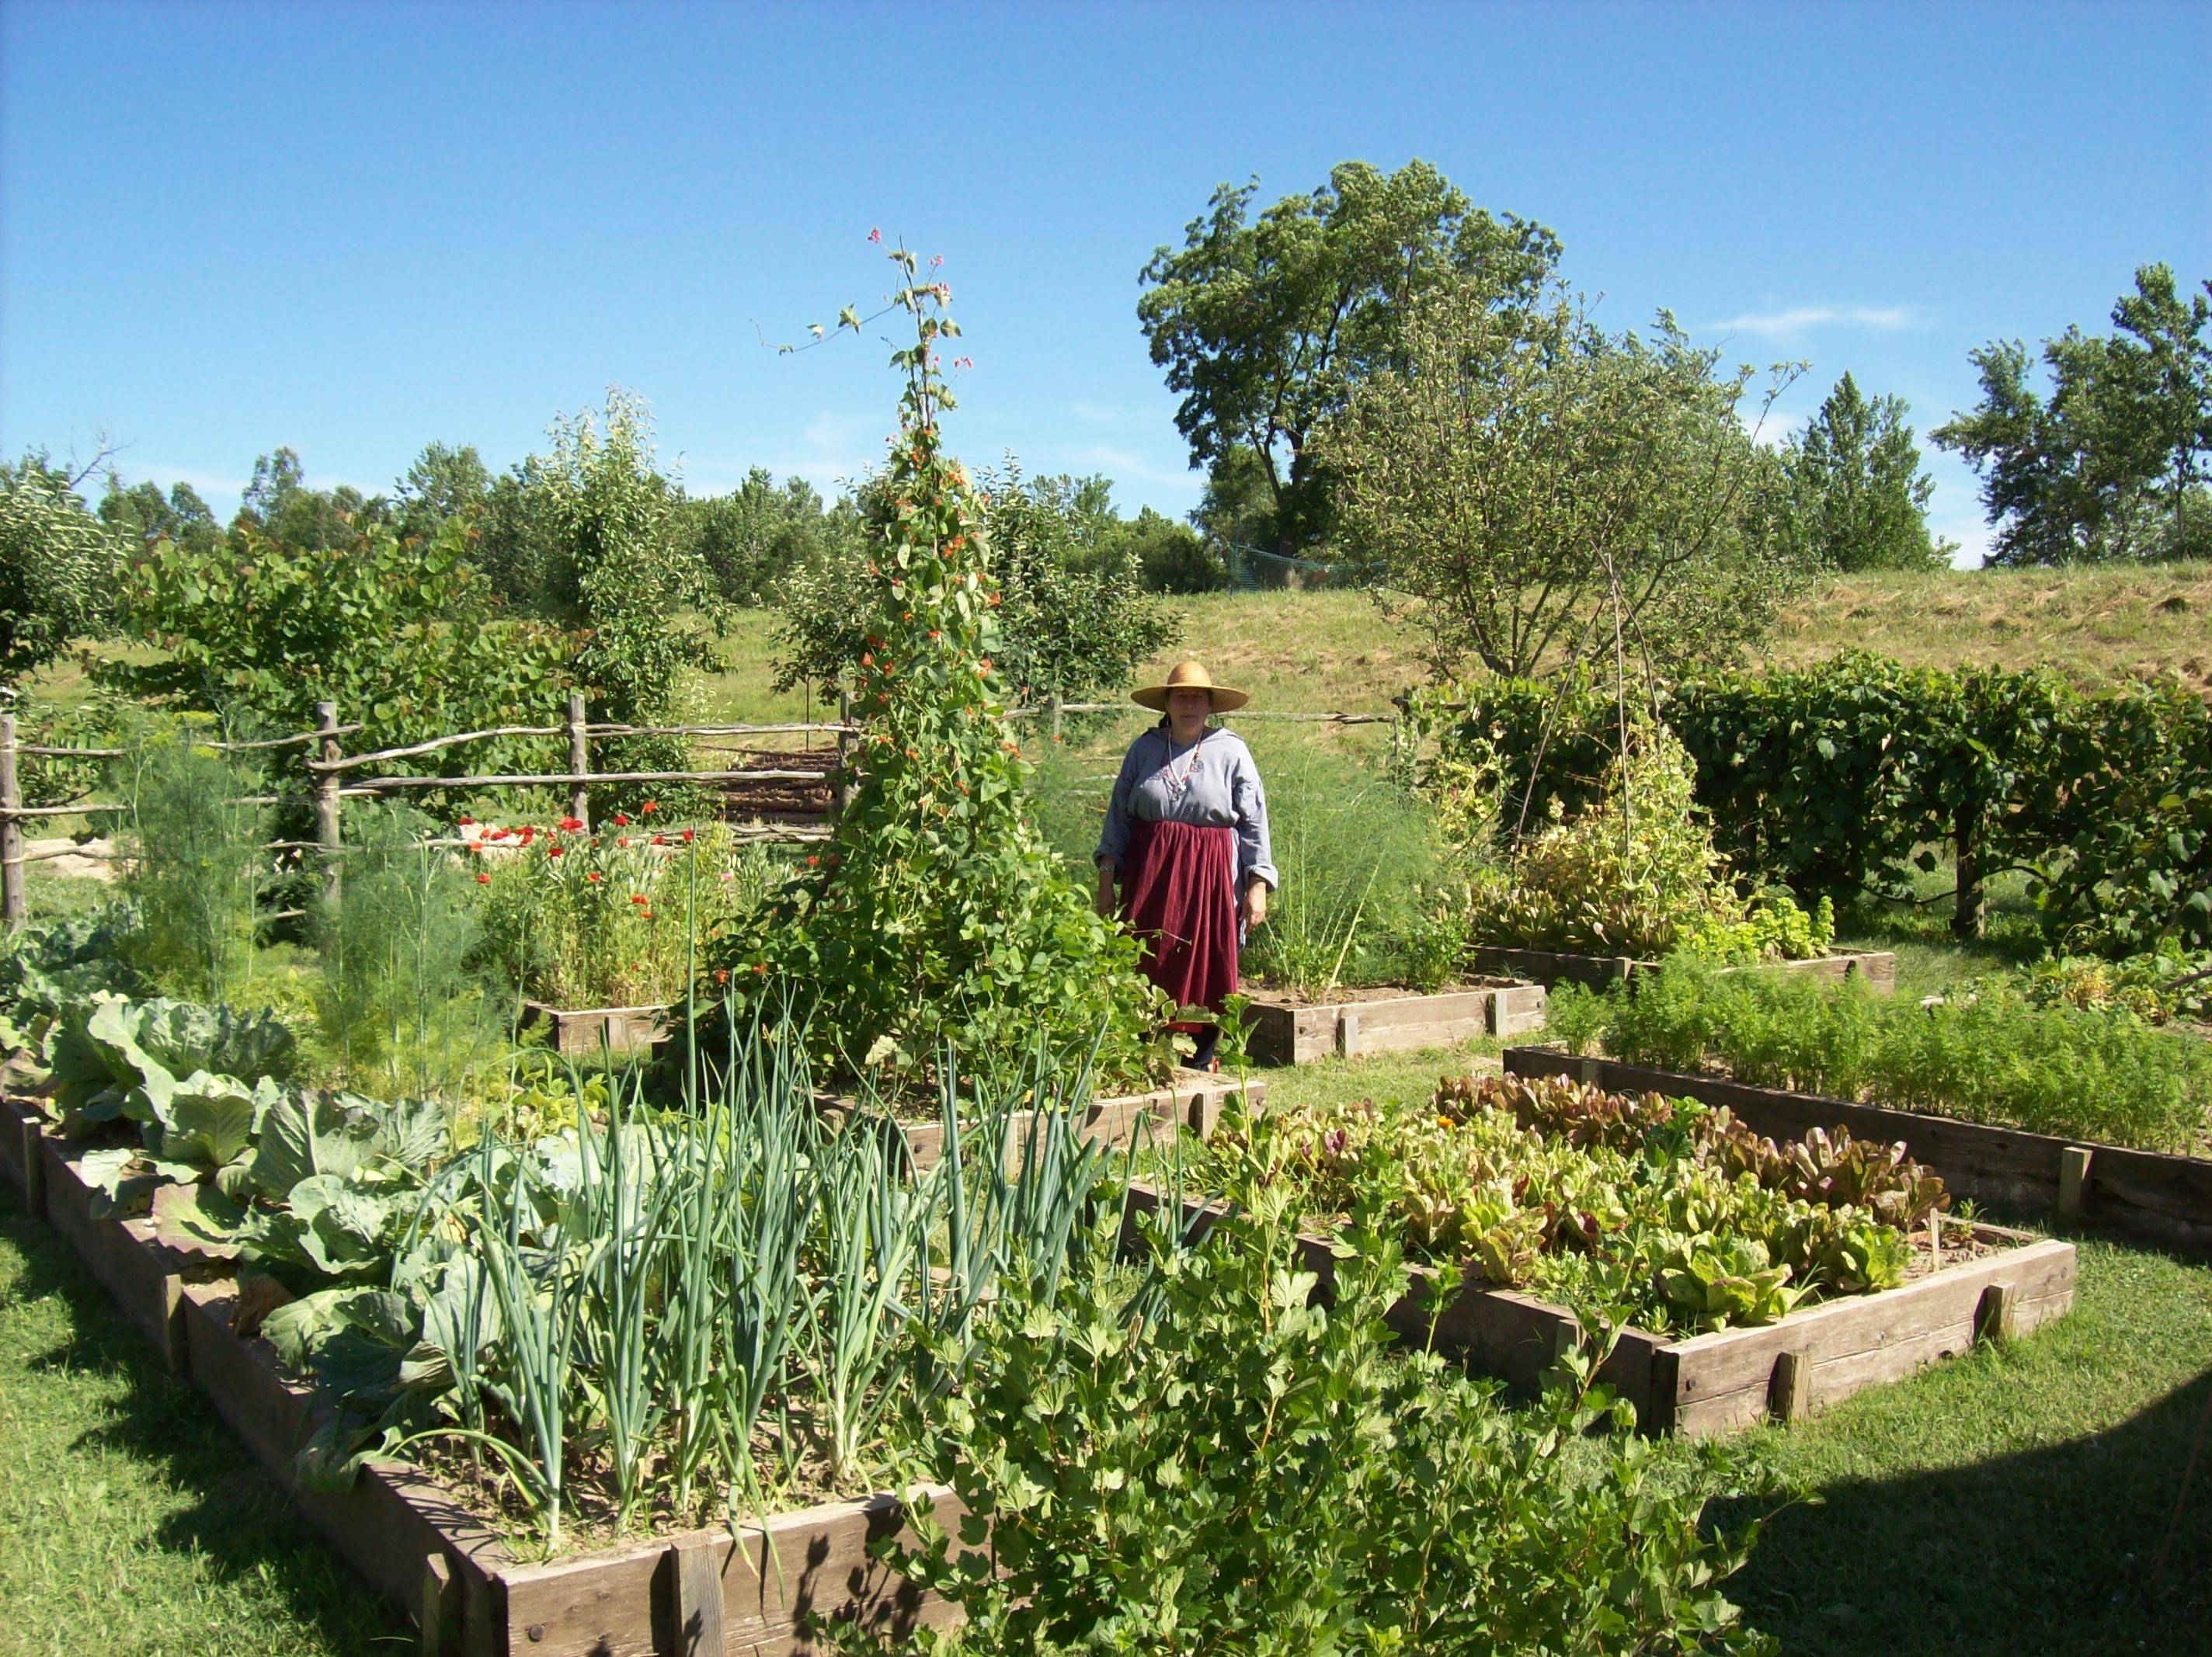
[(2053, 1550), (229, 1515)]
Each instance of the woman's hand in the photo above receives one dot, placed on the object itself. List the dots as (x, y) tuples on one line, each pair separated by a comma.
[(1105, 901), (1256, 904)]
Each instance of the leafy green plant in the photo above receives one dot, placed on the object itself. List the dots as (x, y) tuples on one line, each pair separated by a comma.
[(397, 998), (938, 914), (1635, 874), (195, 834), (1663, 1211), (1196, 1456), (1986, 1055), (611, 920)]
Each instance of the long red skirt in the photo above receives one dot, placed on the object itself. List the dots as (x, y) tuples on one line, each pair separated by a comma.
[(1179, 896)]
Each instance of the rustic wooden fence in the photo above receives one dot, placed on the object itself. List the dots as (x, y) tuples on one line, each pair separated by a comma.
[(333, 776)]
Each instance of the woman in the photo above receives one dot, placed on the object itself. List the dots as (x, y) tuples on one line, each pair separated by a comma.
[(1185, 839)]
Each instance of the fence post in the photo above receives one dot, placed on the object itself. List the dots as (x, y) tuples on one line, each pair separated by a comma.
[(1057, 718), (15, 908), (580, 761), (326, 796), (841, 795)]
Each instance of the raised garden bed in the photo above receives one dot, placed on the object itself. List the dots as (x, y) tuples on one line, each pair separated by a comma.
[(2145, 1193), (1181, 1107), (1702, 1385), (584, 1031), (1347, 1023), (697, 1592), (1876, 968)]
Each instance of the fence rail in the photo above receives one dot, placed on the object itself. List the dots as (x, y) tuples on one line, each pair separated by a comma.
[(328, 773)]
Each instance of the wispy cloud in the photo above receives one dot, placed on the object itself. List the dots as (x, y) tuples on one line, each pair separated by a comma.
[(1096, 414), (1804, 317), (1121, 464)]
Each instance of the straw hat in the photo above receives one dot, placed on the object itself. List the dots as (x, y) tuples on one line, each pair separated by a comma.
[(1188, 676)]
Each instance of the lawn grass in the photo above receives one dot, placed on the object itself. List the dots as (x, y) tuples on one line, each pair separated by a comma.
[(132, 1524)]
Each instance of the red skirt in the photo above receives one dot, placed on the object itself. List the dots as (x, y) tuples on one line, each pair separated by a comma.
[(1179, 896)]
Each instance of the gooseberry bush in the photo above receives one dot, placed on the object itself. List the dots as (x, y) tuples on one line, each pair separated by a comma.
[(938, 914)]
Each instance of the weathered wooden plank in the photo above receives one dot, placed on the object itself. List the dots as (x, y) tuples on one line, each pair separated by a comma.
[(623, 1602), (585, 1030), (22, 1164), (1850, 1344), (1287, 1033), (1877, 968), (147, 1289), (390, 1523), (2146, 1193)]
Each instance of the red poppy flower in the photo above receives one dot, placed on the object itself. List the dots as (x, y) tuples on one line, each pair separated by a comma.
[(811, 861), (639, 899), (468, 823), (687, 836), (648, 808), (623, 840), (483, 880), (529, 832), (571, 825), (621, 821), (660, 840), (593, 876), (557, 851)]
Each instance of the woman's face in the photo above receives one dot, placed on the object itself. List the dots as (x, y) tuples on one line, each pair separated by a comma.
[(1188, 711)]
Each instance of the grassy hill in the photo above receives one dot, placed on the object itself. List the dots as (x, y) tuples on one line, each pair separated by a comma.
[(1318, 651)]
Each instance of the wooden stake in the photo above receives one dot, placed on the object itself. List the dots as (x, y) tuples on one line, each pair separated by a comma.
[(2073, 1179), (1790, 1391), (1993, 1314), (699, 1598), (580, 760), (327, 833), (842, 796), (15, 907), (430, 1606)]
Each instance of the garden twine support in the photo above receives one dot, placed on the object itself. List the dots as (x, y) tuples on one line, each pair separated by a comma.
[(14, 907)]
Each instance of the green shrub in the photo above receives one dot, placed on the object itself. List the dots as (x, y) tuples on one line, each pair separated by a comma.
[(1199, 1458), (1635, 874), (194, 844), (1987, 1055), (402, 636), (399, 1004)]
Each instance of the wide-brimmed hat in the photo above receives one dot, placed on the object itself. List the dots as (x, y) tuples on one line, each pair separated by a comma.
[(1188, 676)]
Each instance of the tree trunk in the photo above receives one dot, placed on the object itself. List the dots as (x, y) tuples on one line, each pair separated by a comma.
[(1965, 838)]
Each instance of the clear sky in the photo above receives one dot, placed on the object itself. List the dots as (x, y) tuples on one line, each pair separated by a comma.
[(356, 228)]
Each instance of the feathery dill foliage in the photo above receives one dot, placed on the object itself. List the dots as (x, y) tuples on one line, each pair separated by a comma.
[(398, 1002), (198, 857), (1986, 1055), (939, 913)]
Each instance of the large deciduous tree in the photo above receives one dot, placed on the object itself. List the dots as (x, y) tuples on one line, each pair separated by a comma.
[(1266, 324), (1855, 497), (56, 566), (1534, 493), (2111, 464)]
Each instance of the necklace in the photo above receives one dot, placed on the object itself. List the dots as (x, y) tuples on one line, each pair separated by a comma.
[(1178, 777)]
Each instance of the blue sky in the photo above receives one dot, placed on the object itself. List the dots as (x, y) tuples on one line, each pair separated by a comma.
[(356, 228)]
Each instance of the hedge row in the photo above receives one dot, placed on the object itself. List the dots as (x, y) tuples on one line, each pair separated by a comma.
[(1837, 779)]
